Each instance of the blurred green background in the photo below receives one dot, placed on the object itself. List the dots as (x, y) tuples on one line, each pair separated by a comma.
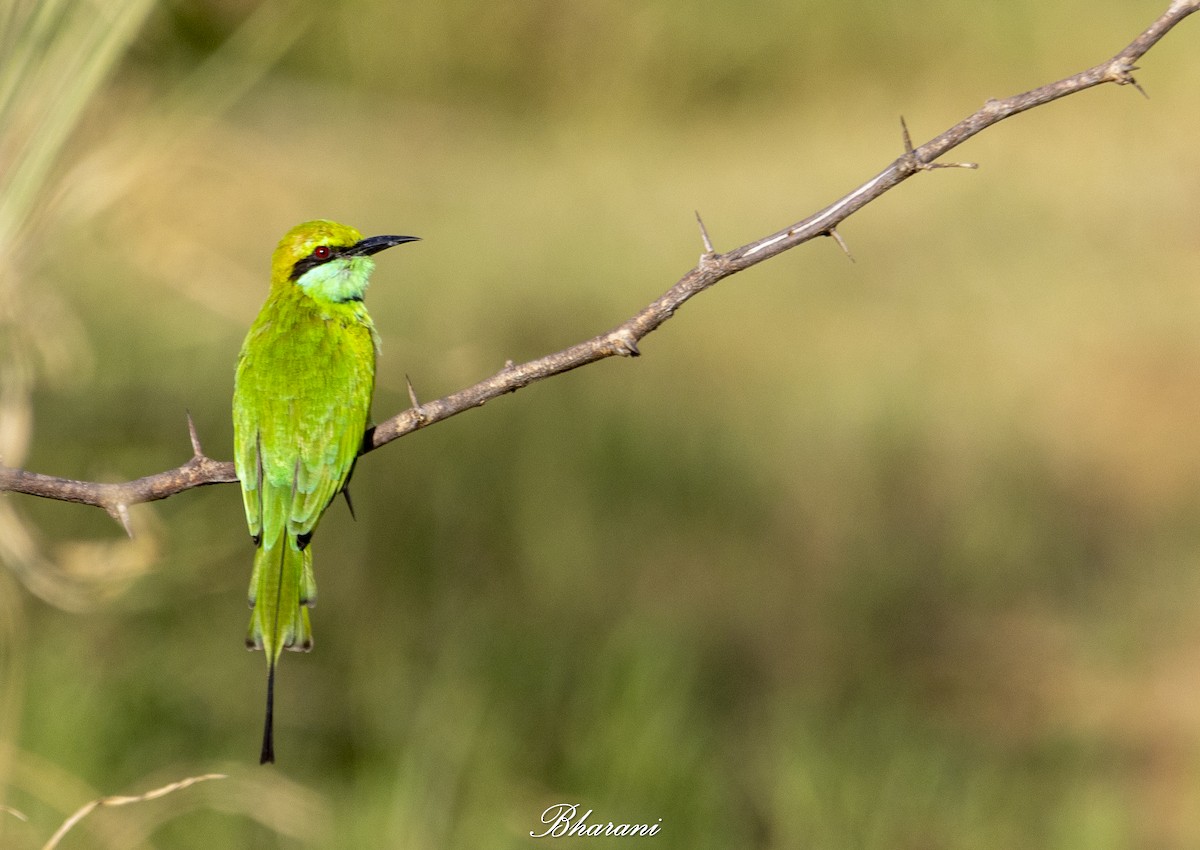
[(894, 554)]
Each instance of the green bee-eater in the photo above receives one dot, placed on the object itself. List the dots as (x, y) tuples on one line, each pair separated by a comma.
[(301, 402)]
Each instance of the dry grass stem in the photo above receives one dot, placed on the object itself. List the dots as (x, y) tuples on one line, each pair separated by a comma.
[(87, 809)]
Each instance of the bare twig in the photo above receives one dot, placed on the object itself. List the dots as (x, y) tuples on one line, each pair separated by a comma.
[(87, 809), (623, 340)]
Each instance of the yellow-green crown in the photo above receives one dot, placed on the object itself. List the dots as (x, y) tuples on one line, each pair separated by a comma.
[(303, 239)]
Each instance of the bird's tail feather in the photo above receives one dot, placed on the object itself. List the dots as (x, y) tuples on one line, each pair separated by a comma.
[(281, 592)]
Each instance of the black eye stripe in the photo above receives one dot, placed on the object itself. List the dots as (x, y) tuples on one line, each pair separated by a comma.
[(312, 261)]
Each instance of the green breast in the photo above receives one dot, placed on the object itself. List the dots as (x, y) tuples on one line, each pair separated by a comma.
[(301, 403)]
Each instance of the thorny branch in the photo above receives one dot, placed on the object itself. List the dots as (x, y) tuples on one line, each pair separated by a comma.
[(623, 339)]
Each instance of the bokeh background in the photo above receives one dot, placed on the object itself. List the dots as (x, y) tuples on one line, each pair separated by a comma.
[(894, 554)]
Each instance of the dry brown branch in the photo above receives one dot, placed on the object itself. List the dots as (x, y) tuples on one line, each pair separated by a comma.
[(623, 339)]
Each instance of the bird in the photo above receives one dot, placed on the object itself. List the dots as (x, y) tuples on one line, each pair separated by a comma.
[(301, 405)]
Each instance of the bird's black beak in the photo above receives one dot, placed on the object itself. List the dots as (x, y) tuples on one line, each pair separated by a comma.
[(375, 244)]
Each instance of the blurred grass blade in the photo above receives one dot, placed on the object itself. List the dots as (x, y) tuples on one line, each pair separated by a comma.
[(56, 55), (61, 53), (226, 75)]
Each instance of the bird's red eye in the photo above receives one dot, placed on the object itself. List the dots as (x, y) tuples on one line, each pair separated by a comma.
[(322, 252)]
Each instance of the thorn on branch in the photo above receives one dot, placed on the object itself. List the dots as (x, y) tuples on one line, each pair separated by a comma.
[(931, 166), (908, 145), (913, 163), (624, 343), (708, 246), (197, 452), (412, 398), (837, 237), (1121, 73), (120, 512)]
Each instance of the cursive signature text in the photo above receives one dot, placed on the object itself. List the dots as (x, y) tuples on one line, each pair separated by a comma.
[(560, 820)]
